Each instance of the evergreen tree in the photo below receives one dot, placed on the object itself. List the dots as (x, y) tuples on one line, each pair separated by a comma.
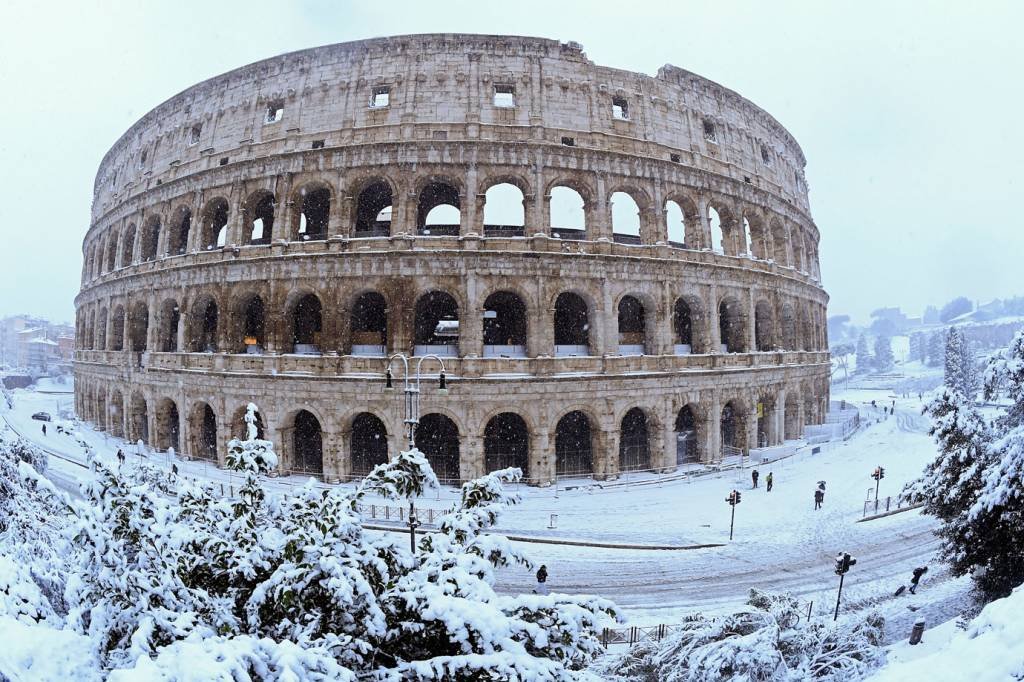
[(917, 350), (953, 370), (936, 348), (864, 363), (972, 377), (884, 360)]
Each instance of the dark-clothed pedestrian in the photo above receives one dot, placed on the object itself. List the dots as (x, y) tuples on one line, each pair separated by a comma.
[(542, 580), (753, 476), (819, 497), (174, 470), (768, 482), (918, 572), (120, 456), (873, 404), (44, 429)]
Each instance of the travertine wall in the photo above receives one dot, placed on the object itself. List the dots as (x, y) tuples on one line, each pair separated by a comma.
[(172, 239)]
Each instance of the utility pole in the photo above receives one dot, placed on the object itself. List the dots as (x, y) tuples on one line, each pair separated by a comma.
[(733, 499), (878, 474), (843, 563)]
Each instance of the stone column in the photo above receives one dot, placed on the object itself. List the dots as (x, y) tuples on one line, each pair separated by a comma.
[(471, 457), (471, 323), (752, 316), (703, 226), (343, 223), (471, 215), (714, 329), (542, 458), (668, 429), (599, 217), (713, 421), (282, 208), (607, 321)]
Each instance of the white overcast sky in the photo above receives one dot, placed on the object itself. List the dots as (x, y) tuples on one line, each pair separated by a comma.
[(911, 114)]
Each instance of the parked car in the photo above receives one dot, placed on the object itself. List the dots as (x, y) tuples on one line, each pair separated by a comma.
[(42, 416)]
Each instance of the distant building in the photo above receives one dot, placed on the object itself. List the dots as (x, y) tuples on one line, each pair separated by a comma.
[(35, 344)]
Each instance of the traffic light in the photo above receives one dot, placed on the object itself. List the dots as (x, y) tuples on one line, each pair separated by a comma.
[(843, 563), (878, 474), (738, 496), (733, 498)]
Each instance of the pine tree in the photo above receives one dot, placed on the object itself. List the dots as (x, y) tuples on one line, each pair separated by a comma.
[(884, 360), (864, 363), (917, 350), (972, 377), (936, 348), (953, 371)]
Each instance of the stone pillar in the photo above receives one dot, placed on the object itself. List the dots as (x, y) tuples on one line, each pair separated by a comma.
[(751, 440), (651, 221), (607, 321), (282, 208), (471, 215), (752, 316), (599, 217), (714, 329), (606, 454), (713, 420), (538, 210), (343, 223), (471, 457), (471, 323), (542, 458), (702, 226)]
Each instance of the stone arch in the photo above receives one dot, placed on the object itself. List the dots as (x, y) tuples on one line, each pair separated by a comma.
[(368, 439), (117, 318), (634, 441), (375, 199), (101, 329), (632, 325), (215, 223), (718, 237), (436, 326), (792, 427), (732, 428), (438, 206), (787, 324), (780, 243), (571, 324), (128, 246), (307, 444), (115, 414), (203, 428), (507, 443), (111, 259), (732, 325), (567, 210), (259, 214), (764, 326), (625, 216), (689, 436), (138, 327), (505, 325), (150, 238), (759, 237), (312, 202), (764, 429), (368, 321), (675, 224), (305, 316), (505, 208), (178, 230), (239, 427), (168, 425), (574, 444), (437, 437), (170, 323), (203, 324), (249, 330), (138, 418), (688, 325)]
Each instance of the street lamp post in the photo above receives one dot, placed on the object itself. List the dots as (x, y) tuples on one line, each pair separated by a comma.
[(412, 413)]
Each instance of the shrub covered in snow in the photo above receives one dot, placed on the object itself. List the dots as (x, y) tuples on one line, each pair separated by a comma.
[(768, 640)]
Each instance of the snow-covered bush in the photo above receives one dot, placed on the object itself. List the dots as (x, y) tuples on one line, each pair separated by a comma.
[(270, 585), (24, 451), (766, 641), (251, 453)]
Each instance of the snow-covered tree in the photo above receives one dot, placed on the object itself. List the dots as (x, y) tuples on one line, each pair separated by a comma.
[(936, 348), (884, 359), (917, 346), (864, 362), (953, 365)]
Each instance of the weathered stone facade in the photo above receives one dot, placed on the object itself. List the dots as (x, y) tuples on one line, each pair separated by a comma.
[(266, 236)]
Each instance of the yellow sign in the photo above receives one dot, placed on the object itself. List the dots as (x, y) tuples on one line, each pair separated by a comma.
[(760, 410)]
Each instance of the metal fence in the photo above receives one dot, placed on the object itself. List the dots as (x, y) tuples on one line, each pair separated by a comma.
[(887, 504)]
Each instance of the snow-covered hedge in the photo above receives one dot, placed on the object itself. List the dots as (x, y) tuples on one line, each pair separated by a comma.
[(768, 640)]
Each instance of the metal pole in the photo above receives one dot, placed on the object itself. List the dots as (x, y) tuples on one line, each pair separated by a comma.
[(732, 519), (839, 596)]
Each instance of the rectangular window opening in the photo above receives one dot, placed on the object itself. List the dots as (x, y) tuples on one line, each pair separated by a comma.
[(504, 96), (193, 137), (380, 97), (569, 141), (275, 111), (674, 158), (709, 131), (224, 161), (318, 144), (142, 158), (620, 108), (766, 158), (439, 135)]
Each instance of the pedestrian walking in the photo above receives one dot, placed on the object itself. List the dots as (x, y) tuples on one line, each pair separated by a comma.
[(768, 482), (918, 572), (120, 456), (819, 497), (753, 476), (542, 580), (174, 470), (873, 404), (44, 429)]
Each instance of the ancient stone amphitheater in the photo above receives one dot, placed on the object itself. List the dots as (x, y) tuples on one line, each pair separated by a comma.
[(619, 271)]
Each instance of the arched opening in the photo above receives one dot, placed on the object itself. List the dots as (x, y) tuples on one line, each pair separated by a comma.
[(780, 245), (138, 330), (369, 441), (150, 238), (315, 213), (128, 246), (168, 425), (686, 437), (239, 427), (170, 321), (437, 437), (764, 408), (717, 231), (632, 326), (369, 322), (792, 427), (504, 213), (374, 210), (115, 415), (625, 218), (764, 327), (307, 441), (438, 212), (572, 325), (180, 227), (574, 448), (731, 328), (254, 321), (101, 329), (111, 260), (732, 430), (215, 223), (117, 329), (634, 443), (261, 218), (138, 419), (788, 322), (682, 325), (204, 432), (506, 443), (810, 409), (675, 224), (205, 317), (504, 325), (747, 239), (437, 325), (567, 215), (307, 325)]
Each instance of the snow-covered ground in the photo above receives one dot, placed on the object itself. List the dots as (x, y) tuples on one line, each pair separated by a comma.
[(781, 542)]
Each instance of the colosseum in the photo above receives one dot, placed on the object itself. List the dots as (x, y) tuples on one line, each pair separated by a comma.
[(619, 272)]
